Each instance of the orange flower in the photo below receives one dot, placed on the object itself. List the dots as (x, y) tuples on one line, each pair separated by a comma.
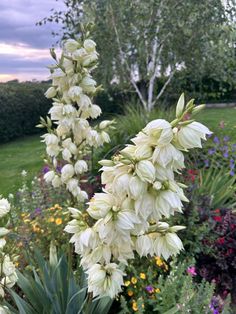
[(58, 221), (130, 293), (135, 306)]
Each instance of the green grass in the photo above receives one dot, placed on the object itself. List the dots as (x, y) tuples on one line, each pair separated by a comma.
[(212, 118), (23, 154), (26, 153)]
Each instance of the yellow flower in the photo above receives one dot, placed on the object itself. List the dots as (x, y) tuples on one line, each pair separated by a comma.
[(134, 280), (127, 283), (142, 276), (57, 206), (157, 290), (135, 306), (58, 221), (51, 219), (130, 293), (158, 261)]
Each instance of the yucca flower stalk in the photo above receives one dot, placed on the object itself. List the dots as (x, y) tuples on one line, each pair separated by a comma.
[(140, 194), (71, 137)]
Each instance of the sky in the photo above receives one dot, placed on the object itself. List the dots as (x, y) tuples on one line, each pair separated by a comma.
[(24, 47)]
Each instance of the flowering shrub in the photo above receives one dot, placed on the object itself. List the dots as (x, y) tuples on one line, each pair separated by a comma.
[(168, 291)]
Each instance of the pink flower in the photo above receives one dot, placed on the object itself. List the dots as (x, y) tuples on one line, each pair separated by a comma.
[(191, 270)]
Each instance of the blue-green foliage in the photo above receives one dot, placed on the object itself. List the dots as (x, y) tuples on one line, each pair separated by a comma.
[(52, 287)]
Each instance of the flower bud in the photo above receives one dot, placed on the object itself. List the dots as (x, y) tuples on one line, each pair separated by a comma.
[(49, 176), (67, 172), (89, 45), (4, 207), (71, 45), (145, 170), (51, 92), (81, 167)]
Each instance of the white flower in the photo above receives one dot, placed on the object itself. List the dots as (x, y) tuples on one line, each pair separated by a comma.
[(75, 92), (189, 136), (105, 280), (144, 245), (145, 170), (8, 268), (90, 58), (104, 124), (145, 205), (71, 45), (2, 243), (143, 152), (4, 207), (84, 102), (67, 172), (79, 54), (56, 111), (51, 92), (81, 166), (137, 187), (4, 309), (167, 245), (69, 66), (100, 205), (49, 176), (73, 186), (89, 45), (66, 154), (95, 111), (56, 181), (156, 132), (168, 154), (166, 203), (88, 84), (3, 231)]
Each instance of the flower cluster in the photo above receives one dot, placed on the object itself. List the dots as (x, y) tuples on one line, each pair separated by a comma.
[(221, 154), (73, 137), (140, 193), (8, 274)]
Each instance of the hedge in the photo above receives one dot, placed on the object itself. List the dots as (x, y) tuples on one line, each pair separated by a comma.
[(21, 105)]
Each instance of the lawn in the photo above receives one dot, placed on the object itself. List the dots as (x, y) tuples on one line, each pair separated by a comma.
[(26, 153), (23, 154), (213, 118)]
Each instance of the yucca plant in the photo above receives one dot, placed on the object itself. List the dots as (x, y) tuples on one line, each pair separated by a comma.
[(219, 186), (53, 288)]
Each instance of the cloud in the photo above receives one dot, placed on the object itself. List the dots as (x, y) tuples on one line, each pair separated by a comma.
[(24, 47)]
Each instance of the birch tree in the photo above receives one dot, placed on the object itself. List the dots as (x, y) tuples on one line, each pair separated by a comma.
[(141, 41)]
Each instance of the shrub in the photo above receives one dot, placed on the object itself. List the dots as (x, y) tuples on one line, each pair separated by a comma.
[(21, 105)]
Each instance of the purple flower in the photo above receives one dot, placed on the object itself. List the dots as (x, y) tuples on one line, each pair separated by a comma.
[(226, 154), (226, 138), (59, 169), (232, 173), (45, 169), (149, 289), (192, 271), (211, 151), (206, 161), (216, 140)]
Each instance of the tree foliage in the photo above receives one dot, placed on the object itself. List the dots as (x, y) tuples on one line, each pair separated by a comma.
[(140, 41)]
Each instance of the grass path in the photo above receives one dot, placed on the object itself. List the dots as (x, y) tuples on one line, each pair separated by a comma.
[(23, 154), (26, 153)]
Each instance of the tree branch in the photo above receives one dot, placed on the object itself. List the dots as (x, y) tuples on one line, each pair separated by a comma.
[(164, 87), (124, 61)]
